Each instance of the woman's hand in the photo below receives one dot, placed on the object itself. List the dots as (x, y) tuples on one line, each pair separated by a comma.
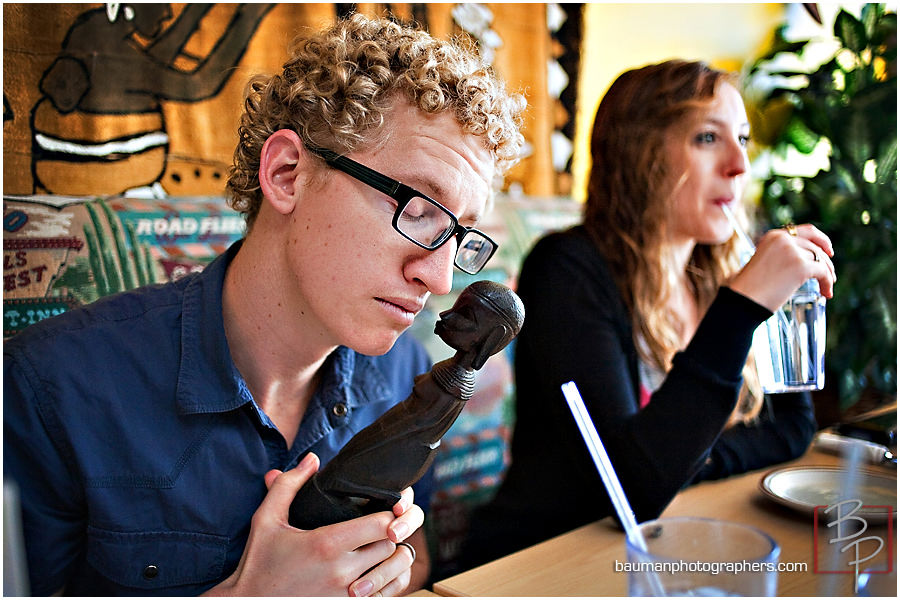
[(356, 557), (784, 259)]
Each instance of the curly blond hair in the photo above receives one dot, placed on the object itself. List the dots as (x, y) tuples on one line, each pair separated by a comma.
[(338, 85), (629, 190)]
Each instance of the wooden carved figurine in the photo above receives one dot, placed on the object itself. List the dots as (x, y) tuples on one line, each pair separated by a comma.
[(392, 453)]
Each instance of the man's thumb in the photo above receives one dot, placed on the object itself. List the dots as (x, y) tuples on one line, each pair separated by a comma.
[(283, 486)]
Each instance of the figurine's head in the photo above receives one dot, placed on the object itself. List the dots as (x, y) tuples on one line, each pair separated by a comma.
[(483, 320)]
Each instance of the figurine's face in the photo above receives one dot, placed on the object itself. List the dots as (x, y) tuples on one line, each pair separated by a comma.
[(467, 324)]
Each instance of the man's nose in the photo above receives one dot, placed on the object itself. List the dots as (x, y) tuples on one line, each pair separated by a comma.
[(434, 268)]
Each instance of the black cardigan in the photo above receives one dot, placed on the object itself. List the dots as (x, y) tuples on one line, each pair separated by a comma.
[(577, 328)]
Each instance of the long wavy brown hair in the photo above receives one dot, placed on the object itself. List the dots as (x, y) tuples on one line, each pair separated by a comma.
[(629, 194)]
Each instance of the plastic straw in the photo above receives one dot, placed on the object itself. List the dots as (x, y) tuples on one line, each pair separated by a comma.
[(608, 475), (750, 248)]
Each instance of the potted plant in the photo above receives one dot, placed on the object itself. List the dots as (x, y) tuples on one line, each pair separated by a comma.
[(841, 111)]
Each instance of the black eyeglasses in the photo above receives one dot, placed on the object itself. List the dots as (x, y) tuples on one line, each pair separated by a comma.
[(418, 218)]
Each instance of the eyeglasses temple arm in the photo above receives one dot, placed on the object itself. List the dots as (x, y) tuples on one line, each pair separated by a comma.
[(380, 182)]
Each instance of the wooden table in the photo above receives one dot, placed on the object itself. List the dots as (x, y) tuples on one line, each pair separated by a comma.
[(581, 562)]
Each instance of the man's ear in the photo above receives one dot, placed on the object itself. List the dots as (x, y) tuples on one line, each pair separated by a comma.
[(281, 163)]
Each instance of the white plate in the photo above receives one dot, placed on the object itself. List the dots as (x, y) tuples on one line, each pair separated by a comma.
[(805, 488)]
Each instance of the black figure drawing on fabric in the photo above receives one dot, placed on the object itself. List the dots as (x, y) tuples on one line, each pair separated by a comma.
[(100, 104)]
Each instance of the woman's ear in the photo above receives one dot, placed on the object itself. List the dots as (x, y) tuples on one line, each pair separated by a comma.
[(281, 163)]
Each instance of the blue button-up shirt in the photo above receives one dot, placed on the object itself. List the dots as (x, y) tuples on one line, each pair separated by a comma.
[(138, 450)]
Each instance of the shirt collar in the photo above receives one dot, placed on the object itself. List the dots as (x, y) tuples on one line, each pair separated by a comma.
[(208, 380)]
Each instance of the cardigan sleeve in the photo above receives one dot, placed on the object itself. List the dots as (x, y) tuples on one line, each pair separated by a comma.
[(577, 329), (782, 432)]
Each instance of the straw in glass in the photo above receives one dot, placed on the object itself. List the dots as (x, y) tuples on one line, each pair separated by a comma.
[(608, 475), (750, 248)]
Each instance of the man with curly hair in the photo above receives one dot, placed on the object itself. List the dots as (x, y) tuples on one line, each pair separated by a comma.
[(166, 459)]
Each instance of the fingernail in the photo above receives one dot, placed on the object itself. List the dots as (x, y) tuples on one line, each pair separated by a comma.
[(307, 460), (401, 530), (363, 588)]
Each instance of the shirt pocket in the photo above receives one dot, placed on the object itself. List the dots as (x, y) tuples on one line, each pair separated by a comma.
[(157, 560)]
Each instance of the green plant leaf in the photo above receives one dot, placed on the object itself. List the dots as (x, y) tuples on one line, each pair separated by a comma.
[(801, 136), (882, 96), (787, 73), (847, 178), (856, 140), (818, 115), (850, 31), (869, 17), (886, 32), (779, 45), (886, 165)]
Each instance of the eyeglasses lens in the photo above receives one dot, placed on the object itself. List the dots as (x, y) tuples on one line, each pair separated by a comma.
[(474, 251), (425, 222)]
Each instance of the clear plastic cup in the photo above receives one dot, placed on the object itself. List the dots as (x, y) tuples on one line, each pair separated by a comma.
[(692, 556)]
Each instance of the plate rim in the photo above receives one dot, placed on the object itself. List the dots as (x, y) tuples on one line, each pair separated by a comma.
[(809, 508)]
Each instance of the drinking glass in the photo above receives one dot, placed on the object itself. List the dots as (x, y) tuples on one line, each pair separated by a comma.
[(789, 348), (692, 556)]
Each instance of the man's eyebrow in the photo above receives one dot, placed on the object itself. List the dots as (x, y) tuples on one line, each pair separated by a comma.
[(433, 189), (471, 217)]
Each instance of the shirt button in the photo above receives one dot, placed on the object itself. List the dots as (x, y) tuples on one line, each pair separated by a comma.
[(151, 571), (340, 409)]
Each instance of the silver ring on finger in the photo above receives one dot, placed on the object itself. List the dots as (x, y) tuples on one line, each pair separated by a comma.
[(411, 549)]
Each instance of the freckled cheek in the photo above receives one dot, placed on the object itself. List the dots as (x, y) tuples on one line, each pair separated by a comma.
[(352, 248), (357, 253)]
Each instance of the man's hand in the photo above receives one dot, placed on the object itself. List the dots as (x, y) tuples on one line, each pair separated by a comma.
[(359, 557), (400, 574)]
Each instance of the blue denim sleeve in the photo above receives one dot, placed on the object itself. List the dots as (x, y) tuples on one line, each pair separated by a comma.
[(36, 460)]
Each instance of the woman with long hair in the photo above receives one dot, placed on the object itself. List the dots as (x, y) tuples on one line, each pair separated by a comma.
[(646, 307)]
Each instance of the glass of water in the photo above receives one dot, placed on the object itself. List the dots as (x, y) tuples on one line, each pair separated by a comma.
[(789, 347)]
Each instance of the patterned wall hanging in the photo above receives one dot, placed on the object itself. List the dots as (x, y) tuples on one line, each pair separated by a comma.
[(144, 99)]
